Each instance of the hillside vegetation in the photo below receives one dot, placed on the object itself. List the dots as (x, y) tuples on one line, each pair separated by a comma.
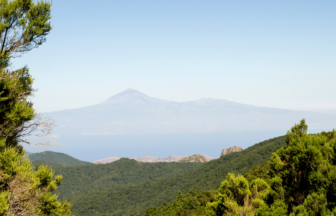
[(86, 179), (194, 158), (38, 163), (133, 199), (299, 179), (57, 158)]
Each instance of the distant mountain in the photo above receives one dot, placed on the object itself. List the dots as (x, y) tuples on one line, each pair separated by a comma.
[(106, 160), (141, 159), (57, 158), (209, 158), (157, 159), (132, 112), (151, 159), (329, 111), (194, 158)]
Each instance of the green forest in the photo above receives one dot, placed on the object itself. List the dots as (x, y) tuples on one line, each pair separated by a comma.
[(57, 158), (88, 179), (132, 187)]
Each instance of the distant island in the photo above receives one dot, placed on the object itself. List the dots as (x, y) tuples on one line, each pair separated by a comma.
[(132, 112)]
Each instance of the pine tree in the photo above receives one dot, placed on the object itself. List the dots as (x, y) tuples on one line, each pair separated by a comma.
[(23, 190), (304, 171), (23, 26), (300, 180)]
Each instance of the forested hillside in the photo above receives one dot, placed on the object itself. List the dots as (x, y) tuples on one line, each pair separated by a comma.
[(37, 163), (299, 179), (57, 158), (86, 179), (134, 198)]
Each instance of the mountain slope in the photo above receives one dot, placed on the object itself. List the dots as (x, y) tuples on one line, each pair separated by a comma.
[(132, 112), (57, 158), (81, 180), (135, 198), (38, 162), (194, 158)]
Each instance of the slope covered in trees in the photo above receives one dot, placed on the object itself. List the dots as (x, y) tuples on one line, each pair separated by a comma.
[(57, 158), (38, 163), (133, 199), (86, 179), (299, 179)]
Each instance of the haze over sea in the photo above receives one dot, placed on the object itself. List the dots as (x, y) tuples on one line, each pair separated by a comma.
[(132, 124), (91, 148)]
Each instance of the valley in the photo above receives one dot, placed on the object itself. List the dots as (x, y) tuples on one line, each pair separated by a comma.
[(128, 187)]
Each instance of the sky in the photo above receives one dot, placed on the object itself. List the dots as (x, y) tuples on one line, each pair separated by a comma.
[(264, 53)]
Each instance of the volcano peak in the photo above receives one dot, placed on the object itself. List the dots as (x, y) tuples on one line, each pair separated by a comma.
[(130, 96)]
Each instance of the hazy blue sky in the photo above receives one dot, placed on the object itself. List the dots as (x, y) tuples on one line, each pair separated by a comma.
[(265, 53)]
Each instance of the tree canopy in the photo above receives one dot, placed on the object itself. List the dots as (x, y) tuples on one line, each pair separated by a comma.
[(23, 26), (299, 180), (23, 190)]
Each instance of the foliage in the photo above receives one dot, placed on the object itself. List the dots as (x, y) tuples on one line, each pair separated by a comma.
[(37, 163), (192, 203), (86, 179), (23, 190), (239, 197), (299, 180), (57, 158), (261, 171), (15, 110), (23, 26), (132, 199)]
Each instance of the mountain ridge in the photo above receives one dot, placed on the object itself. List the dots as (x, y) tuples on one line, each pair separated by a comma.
[(132, 112), (194, 158), (149, 159), (57, 158)]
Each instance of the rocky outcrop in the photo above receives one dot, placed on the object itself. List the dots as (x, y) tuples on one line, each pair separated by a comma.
[(194, 158), (230, 150), (106, 160)]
